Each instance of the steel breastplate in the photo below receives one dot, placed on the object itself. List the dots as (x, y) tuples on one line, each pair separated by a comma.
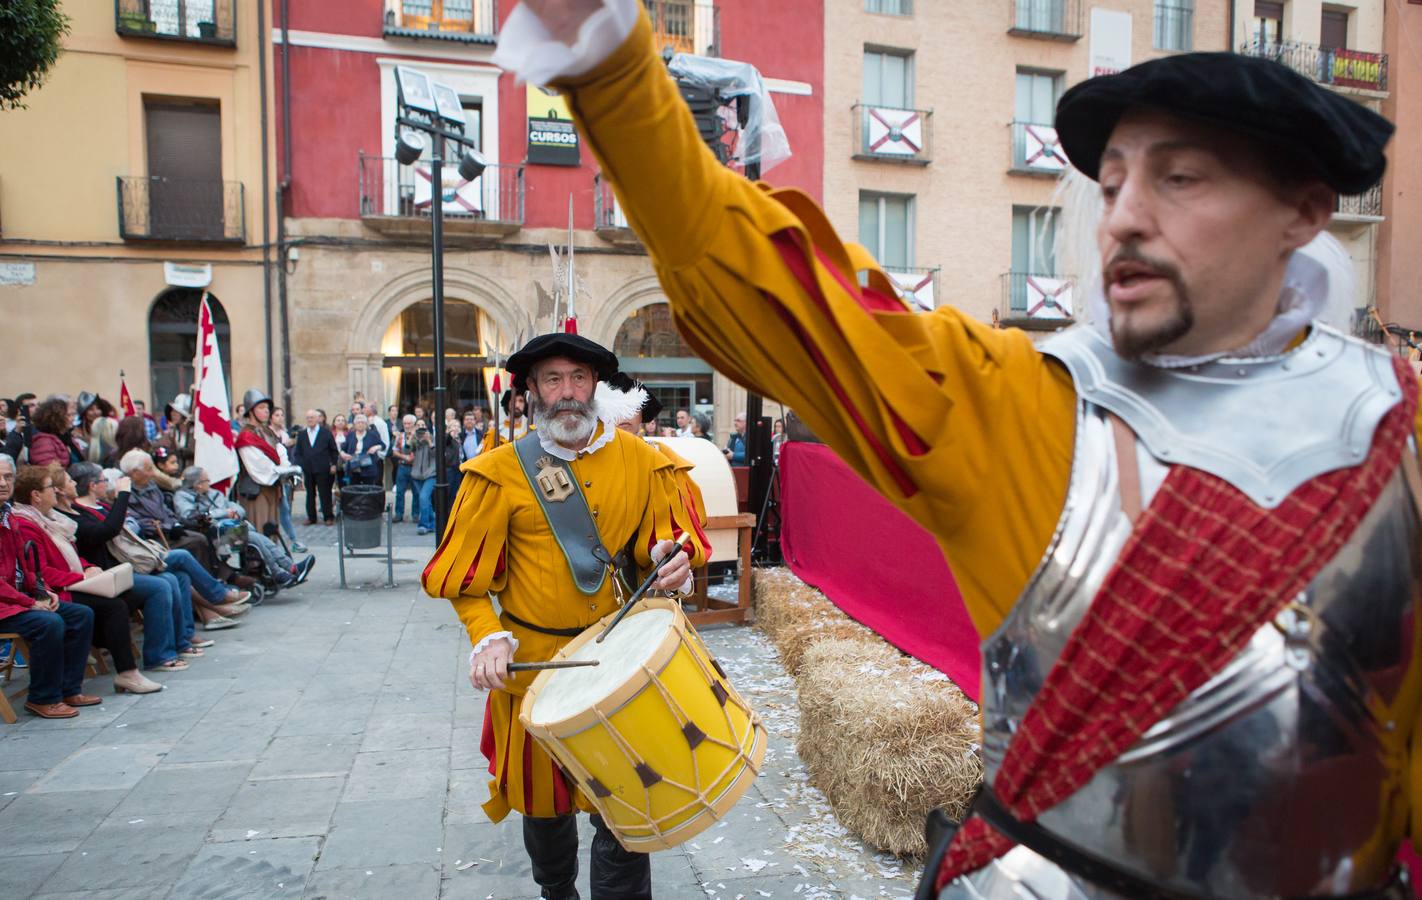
[(1284, 775)]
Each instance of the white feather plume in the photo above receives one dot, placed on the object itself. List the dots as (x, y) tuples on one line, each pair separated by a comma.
[(614, 406)]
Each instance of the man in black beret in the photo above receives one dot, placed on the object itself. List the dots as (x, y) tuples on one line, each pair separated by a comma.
[(544, 551), (1185, 529)]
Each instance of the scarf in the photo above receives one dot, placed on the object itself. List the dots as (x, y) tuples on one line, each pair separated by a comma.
[(1148, 640), (60, 529), (249, 437)]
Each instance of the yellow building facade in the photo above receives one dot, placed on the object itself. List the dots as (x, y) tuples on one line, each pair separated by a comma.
[(132, 183)]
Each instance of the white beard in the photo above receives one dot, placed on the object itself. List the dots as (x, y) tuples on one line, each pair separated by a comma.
[(564, 429)]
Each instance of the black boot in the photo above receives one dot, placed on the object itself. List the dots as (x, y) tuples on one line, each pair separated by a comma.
[(618, 874), (552, 846)]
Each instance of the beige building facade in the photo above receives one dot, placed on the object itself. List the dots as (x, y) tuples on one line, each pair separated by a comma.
[(131, 184), (1400, 233)]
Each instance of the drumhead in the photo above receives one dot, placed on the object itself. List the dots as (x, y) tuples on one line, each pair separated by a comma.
[(568, 692)]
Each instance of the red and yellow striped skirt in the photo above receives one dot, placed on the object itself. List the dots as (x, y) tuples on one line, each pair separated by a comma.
[(525, 778)]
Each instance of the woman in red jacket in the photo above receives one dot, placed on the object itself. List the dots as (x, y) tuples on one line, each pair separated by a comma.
[(52, 442), (34, 519), (58, 634)]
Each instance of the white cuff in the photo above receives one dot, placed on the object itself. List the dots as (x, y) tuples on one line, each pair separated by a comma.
[(479, 647), (527, 49)]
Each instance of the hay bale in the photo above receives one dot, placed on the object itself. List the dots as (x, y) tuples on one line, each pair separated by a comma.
[(794, 616), (886, 738)]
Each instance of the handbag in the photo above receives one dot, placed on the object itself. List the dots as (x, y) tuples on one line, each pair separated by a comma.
[(144, 555), (108, 583)]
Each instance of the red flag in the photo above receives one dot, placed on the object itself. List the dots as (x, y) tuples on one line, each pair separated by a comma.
[(125, 401)]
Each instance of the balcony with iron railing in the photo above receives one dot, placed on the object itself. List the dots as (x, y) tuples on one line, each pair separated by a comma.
[(893, 135), (469, 21), (1038, 300), (1053, 20), (1359, 209), (197, 21), (1339, 67), (917, 285), (1036, 150), (161, 209), (685, 26), (397, 200), (609, 221)]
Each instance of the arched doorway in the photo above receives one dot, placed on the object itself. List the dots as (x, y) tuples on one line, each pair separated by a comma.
[(172, 342), (650, 349), (408, 350)]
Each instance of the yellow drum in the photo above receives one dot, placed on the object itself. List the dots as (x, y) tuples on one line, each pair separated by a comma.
[(654, 735)]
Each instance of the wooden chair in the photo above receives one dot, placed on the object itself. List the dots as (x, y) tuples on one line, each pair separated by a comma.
[(708, 610), (7, 671)]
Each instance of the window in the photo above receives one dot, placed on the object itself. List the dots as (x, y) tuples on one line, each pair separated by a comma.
[(1174, 24), (886, 228), (1041, 16), (1268, 27), (473, 120), (184, 148), (889, 7), (1333, 33), (172, 342), (473, 16), (1034, 240), (1037, 96), (888, 79)]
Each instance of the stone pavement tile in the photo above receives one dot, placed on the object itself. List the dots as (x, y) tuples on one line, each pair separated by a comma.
[(746, 833), (343, 716), (501, 865), (184, 787), (792, 885), (464, 752), (26, 748), (399, 695), (217, 741), (240, 707), (294, 807), (103, 767), (13, 783), (468, 791), (399, 775), (169, 729), (249, 869), (356, 664), (23, 875), (307, 756), (128, 852), (373, 833), (407, 731), (53, 823), (138, 893), (412, 882)]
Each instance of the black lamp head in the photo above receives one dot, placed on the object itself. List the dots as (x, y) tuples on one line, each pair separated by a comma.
[(408, 146), (472, 164)]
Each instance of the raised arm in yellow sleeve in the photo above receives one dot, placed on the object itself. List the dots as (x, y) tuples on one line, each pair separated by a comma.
[(470, 560), (966, 428)]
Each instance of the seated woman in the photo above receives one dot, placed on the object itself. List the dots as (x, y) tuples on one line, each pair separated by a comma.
[(362, 453), (52, 442), (166, 604), (197, 504), (58, 634), (35, 520)]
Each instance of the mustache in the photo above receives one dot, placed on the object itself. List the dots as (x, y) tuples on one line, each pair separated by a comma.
[(1131, 253), (570, 405)]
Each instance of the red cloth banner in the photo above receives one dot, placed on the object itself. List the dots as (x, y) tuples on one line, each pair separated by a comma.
[(125, 399), (874, 562)]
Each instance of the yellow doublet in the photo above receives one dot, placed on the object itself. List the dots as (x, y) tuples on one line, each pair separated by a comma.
[(500, 436), (499, 541), (966, 428)]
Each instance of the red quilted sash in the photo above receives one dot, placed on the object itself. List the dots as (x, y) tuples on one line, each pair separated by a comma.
[(1203, 570)]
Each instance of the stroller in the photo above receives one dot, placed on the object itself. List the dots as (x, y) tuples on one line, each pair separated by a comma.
[(233, 544)]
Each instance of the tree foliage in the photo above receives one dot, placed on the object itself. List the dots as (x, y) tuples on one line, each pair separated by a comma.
[(29, 44)]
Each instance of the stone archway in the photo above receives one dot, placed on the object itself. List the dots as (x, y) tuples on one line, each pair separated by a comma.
[(364, 359), (636, 293)]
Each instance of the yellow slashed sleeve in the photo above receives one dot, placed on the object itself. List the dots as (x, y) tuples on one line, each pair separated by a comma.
[(666, 518), (966, 428), (470, 560)]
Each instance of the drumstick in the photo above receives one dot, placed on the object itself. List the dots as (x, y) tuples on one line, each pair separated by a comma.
[(555, 664), (645, 586)]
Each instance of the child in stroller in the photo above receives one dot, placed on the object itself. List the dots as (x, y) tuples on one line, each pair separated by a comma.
[(199, 506)]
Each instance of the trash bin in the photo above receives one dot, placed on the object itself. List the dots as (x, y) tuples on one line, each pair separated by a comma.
[(361, 507)]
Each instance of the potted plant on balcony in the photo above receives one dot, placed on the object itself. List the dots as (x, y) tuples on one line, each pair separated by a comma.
[(207, 30), (135, 20)]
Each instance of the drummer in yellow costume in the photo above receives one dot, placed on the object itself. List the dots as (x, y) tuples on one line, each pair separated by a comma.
[(500, 541)]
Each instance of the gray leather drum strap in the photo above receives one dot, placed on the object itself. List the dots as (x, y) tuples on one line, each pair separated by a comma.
[(569, 517)]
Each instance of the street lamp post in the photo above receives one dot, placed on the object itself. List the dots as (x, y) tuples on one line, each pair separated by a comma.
[(431, 111)]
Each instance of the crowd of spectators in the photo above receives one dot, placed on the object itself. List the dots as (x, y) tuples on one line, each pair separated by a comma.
[(84, 494)]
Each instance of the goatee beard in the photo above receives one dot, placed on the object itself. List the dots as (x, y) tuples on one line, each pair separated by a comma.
[(567, 430), (1133, 344)]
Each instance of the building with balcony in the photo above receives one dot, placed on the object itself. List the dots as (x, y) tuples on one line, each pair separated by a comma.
[(357, 267), (940, 153), (1399, 262), (1338, 45), (132, 183)]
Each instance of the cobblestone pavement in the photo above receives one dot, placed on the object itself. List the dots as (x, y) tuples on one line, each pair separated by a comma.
[(328, 748)]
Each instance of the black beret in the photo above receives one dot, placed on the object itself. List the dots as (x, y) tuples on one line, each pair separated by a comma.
[(651, 407), (569, 346), (1333, 138)]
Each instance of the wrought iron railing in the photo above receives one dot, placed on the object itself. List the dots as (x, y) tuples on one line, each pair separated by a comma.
[(457, 20), (1039, 296), (916, 285), (1036, 149), (1340, 67), (889, 7), (1174, 27), (1058, 20), (884, 132), (202, 21), (607, 212), (1365, 205), (390, 189), (685, 26), (161, 209)]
